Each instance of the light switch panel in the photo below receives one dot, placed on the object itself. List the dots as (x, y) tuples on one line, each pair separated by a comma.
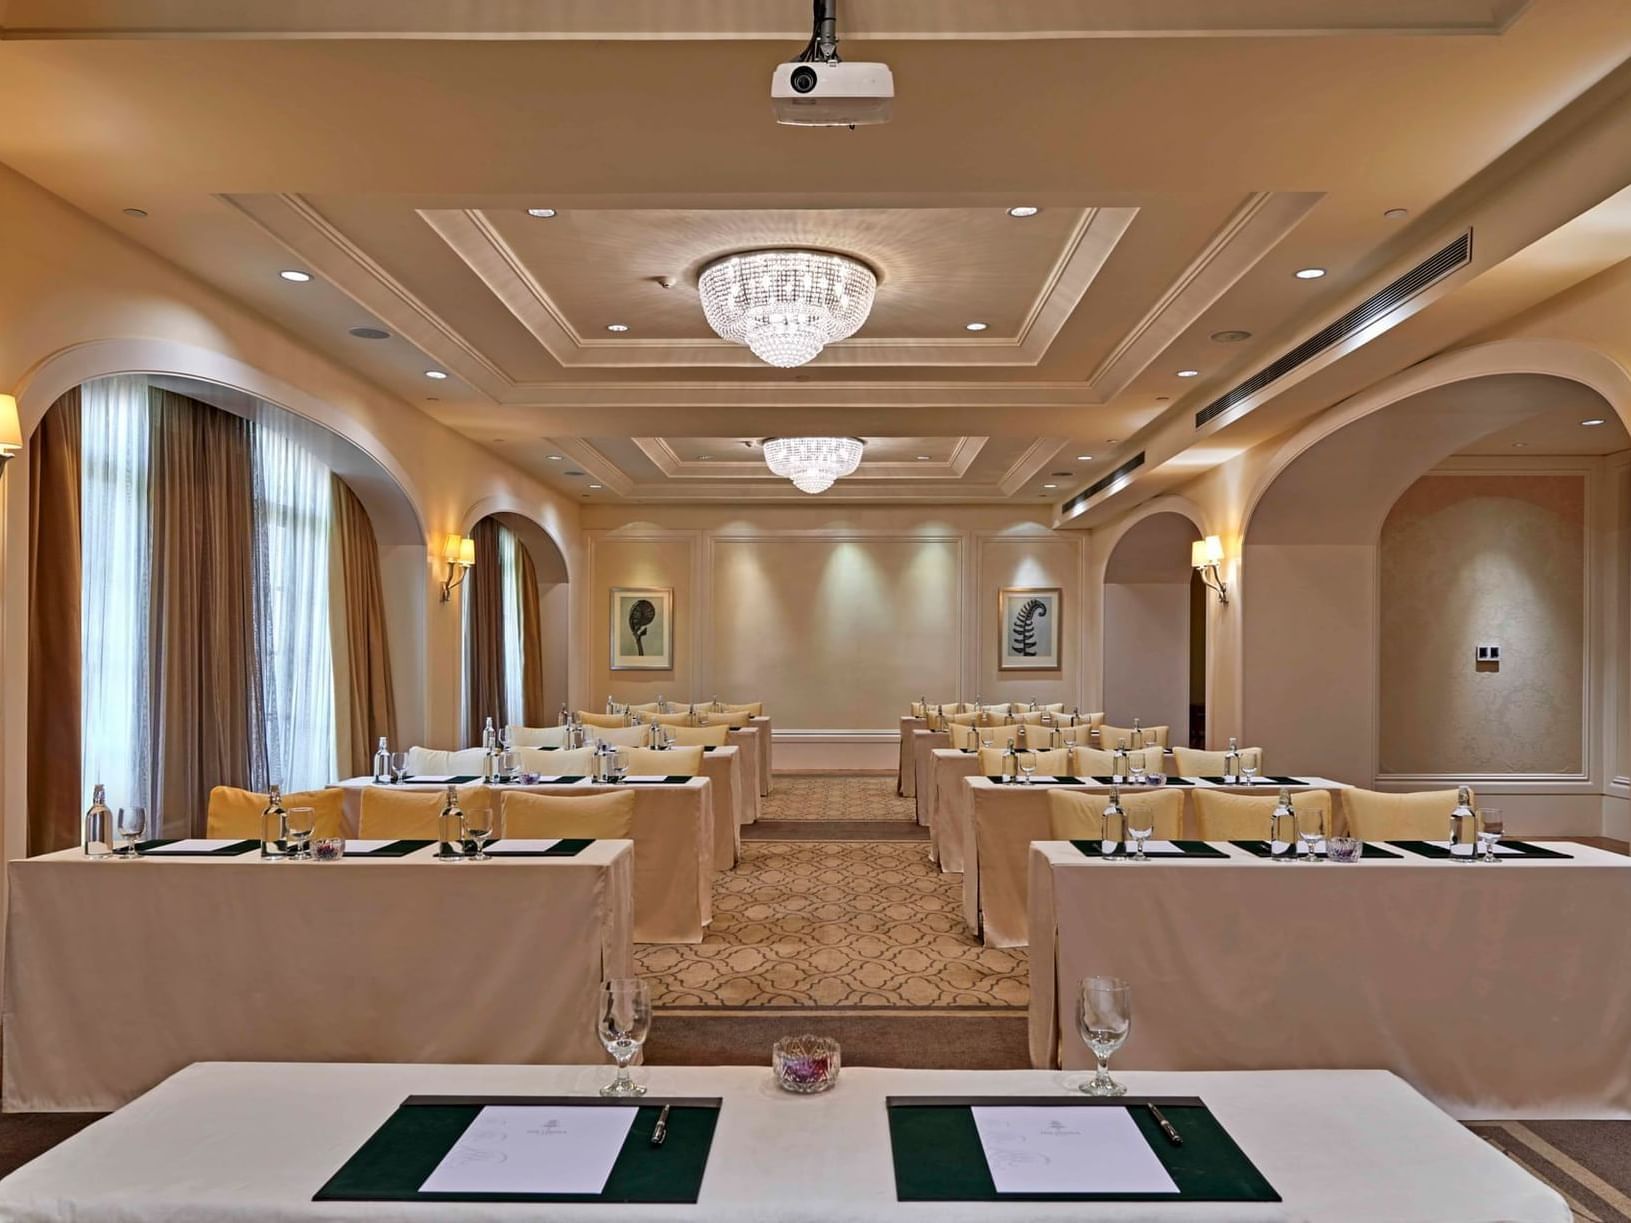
[(1488, 653)]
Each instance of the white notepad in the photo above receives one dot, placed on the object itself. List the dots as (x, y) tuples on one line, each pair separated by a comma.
[(1501, 851), (523, 845), (552, 778), (523, 1148), (191, 845), (647, 777), (365, 847), (1062, 1149), (430, 778)]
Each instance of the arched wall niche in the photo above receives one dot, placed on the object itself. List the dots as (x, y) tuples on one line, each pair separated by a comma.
[(1309, 628), (1151, 654)]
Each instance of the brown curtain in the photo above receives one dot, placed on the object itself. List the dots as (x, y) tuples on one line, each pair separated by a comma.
[(54, 800), (372, 702), (207, 705), (484, 636), (532, 642)]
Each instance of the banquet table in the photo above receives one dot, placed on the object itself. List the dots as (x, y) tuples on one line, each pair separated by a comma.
[(906, 778), (767, 741), (750, 740), (924, 742), (1000, 820), (673, 837), (119, 974), (231, 1143), (1497, 991), (947, 799)]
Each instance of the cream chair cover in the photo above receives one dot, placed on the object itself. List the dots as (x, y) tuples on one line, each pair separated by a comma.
[(1048, 764), (1037, 737), (236, 814), (537, 736), (1078, 817), (737, 721), (1082, 732), (597, 817), (653, 707), (1192, 762), (1092, 762), (920, 710), (393, 814), (1222, 816), (562, 762), (1109, 736), (669, 719), (603, 719), (649, 762), (1004, 708), (754, 709), (436, 763), (698, 736), (974, 736), (1422, 816), (621, 736)]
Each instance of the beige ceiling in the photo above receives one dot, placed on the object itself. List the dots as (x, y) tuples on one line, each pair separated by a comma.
[(1187, 160)]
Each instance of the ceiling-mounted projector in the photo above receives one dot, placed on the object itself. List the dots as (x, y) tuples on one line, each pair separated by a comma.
[(819, 90)]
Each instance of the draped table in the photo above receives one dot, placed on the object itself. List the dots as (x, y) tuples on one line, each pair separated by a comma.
[(906, 778), (999, 821), (752, 743), (119, 974), (947, 800), (767, 739), (222, 1143), (1497, 991), (673, 837), (924, 743)]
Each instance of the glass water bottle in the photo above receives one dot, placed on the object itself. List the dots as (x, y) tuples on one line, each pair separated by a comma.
[(1113, 825), (1283, 828), (1231, 761), (450, 829), (1463, 827), (1119, 763), (382, 762), (97, 837), (275, 826)]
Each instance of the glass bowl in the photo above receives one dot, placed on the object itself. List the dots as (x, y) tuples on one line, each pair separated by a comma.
[(806, 1064), (1344, 849), (328, 849)]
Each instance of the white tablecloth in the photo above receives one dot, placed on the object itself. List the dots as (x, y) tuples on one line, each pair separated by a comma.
[(119, 974), (947, 802), (906, 778), (673, 851), (925, 742), (767, 742), (751, 741), (240, 1143), (1498, 991), (1000, 821)]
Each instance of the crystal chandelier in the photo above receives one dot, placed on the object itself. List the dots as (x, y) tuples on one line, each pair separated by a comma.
[(813, 463), (787, 305)]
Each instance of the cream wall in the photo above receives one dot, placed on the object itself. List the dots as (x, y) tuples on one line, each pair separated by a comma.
[(81, 301), (836, 616), (1470, 558), (1146, 655)]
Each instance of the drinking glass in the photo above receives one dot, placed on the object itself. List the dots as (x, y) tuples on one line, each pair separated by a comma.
[(1249, 772), (1027, 769), (399, 766), (1140, 826), (132, 825), (1310, 831), (302, 822), (478, 830), (624, 1022), (1105, 1016), (1136, 767), (1491, 824)]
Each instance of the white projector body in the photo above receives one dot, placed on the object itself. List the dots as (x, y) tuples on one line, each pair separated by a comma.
[(819, 94)]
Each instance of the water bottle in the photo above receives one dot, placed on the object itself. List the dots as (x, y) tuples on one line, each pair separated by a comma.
[(1231, 762), (662, 703), (450, 829), (1138, 736), (382, 762), (1113, 825), (489, 737), (1463, 827), (566, 717), (1283, 828), (97, 841), (1010, 762), (275, 826), (1119, 764)]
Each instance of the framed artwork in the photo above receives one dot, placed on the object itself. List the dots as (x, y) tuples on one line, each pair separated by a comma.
[(1028, 618), (642, 628)]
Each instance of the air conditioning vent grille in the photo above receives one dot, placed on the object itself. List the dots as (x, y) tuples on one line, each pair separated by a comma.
[(1419, 278), (1102, 483)]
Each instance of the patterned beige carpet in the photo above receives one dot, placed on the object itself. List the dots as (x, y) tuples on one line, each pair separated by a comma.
[(835, 924), (842, 796)]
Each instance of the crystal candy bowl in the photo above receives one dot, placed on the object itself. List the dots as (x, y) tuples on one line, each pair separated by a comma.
[(805, 1064)]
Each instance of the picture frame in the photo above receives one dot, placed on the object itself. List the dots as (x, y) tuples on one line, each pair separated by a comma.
[(642, 628), (1030, 628)]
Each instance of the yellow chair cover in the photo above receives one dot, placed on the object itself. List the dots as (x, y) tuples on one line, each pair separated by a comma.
[(1077, 817), (603, 719), (537, 736), (1109, 736), (700, 736), (1048, 764), (1422, 816), (975, 736), (675, 762), (1192, 762), (605, 817), (392, 814), (1222, 816), (236, 814), (1092, 762), (737, 721), (622, 736)]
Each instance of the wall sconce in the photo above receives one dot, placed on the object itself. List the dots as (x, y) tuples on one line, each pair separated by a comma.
[(1206, 555), (459, 551), (11, 430)]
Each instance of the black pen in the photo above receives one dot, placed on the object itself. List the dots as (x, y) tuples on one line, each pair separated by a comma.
[(1173, 1136), (659, 1132)]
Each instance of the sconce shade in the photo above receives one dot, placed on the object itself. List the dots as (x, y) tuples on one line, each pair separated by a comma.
[(459, 550), (11, 429), (467, 552), (1204, 552)]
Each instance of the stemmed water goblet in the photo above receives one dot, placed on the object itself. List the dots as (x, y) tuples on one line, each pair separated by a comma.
[(623, 1024), (1491, 826), (131, 824), (1311, 831), (1137, 766), (302, 822), (399, 766), (1027, 768), (1140, 827), (1249, 772), (1104, 1016), (479, 819)]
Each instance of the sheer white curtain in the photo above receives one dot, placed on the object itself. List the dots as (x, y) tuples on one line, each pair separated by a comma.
[(514, 659), (115, 564), (292, 513)]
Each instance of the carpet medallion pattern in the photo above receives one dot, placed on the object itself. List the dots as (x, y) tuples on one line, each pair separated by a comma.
[(835, 924), (842, 796)]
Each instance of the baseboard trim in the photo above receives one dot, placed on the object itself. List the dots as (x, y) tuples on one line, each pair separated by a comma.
[(795, 735)]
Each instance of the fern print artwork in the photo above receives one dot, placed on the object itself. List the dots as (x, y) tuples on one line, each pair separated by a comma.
[(642, 628), (1031, 628)]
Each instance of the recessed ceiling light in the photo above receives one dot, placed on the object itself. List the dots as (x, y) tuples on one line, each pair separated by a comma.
[(1519, 445), (545, 213), (1084, 458), (1595, 420), (554, 458), (1111, 441), (1310, 273), (922, 458), (1396, 214), (296, 275), (617, 327), (1189, 373), (435, 373), (975, 326), (138, 213), (703, 458), (1050, 486), (594, 486), (1230, 337), (1023, 210), (370, 333)]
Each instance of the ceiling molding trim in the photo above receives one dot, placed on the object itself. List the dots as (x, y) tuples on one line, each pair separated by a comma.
[(591, 395), (1035, 457), (668, 461), (595, 463)]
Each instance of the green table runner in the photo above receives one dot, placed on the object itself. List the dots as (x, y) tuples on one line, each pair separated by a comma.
[(1261, 779), (939, 1158), (229, 849), (1185, 849), (403, 1152), (1427, 849), (461, 779), (1260, 849), (567, 847)]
